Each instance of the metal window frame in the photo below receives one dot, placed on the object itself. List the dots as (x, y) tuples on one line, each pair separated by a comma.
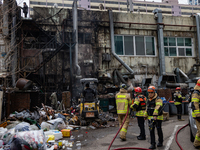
[(177, 52), (134, 46)]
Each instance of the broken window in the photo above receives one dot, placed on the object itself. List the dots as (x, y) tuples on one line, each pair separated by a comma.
[(178, 46)]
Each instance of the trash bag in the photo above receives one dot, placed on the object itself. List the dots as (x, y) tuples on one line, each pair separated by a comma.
[(2, 131), (8, 136), (45, 125), (23, 126), (32, 139), (58, 124)]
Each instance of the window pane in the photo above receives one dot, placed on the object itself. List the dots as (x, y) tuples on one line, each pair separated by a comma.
[(119, 45), (188, 42), (166, 51), (128, 44), (188, 52), (181, 51), (165, 41), (139, 41), (150, 50), (172, 42), (172, 51), (180, 41)]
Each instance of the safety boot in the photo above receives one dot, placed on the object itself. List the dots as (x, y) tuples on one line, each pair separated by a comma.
[(159, 144), (141, 137), (181, 119), (122, 139), (152, 147)]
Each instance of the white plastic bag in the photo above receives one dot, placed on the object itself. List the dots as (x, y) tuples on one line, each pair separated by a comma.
[(35, 139), (23, 126)]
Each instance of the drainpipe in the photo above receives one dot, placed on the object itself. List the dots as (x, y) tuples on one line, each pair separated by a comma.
[(198, 37), (158, 17), (113, 43), (75, 28)]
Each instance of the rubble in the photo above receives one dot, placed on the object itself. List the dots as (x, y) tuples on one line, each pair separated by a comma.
[(46, 128)]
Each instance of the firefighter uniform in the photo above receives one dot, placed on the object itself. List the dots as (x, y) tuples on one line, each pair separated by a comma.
[(178, 102), (196, 112), (140, 105), (123, 101), (154, 108)]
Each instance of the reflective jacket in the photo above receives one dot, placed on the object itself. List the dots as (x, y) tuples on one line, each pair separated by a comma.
[(123, 100), (177, 98), (140, 105), (195, 102), (154, 108)]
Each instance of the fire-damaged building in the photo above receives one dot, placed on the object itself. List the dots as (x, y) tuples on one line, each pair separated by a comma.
[(56, 47)]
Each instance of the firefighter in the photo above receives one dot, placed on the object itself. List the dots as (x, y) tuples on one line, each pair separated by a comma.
[(196, 112), (140, 105), (154, 114), (178, 102), (123, 101)]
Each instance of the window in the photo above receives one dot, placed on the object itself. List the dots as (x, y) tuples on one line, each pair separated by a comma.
[(178, 46), (134, 45)]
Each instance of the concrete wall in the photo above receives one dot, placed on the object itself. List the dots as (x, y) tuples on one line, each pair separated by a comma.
[(97, 23)]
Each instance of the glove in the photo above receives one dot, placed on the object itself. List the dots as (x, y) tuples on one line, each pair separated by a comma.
[(131, 106)]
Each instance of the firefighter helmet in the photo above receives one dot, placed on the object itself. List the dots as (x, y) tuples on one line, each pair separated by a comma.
[(123, 86), (138, 90), (178, 88), (198, 82), (151, 89)]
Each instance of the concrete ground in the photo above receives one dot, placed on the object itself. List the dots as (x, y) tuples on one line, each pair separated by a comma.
[(99, 139)]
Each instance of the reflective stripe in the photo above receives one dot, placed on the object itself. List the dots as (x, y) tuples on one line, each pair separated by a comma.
[(131, 106), (140, 113), (145, 113), (137, 103), (197, 111), (159, 103), (195, 100), (121, 96), (155, 111), (124, 130), (150, 117), (197, 138), (158, 117), (193, 115), (177, 103)]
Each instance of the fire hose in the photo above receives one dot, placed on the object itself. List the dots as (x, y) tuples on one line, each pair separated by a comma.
[(177, 135), (118, 133)]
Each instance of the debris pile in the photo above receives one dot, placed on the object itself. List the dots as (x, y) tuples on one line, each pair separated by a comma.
[(46, 128)]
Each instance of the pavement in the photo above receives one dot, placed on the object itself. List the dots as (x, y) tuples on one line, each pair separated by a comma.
[(100, 139)]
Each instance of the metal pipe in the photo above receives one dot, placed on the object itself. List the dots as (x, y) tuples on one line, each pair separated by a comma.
[(131, 5), (140, 23), (182, 73), (198, 33), (158, 15), (75, 28), (113, 43)]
